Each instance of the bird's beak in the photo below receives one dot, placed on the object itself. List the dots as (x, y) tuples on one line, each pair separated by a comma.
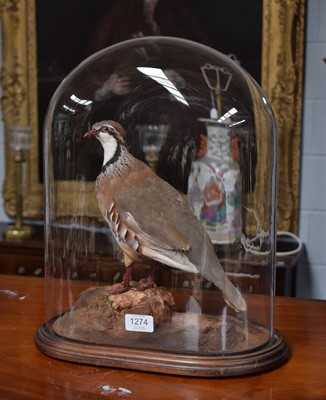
[(90, 133)]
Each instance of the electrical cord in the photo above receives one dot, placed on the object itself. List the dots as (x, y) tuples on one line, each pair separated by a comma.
[(290, 252)]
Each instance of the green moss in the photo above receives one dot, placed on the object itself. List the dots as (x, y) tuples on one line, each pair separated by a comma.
[(107, 301)]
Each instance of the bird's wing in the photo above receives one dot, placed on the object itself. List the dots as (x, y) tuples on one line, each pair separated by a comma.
[(171, 250), (153, 237)]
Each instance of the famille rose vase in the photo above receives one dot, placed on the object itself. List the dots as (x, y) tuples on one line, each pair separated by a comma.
[(214, 186)]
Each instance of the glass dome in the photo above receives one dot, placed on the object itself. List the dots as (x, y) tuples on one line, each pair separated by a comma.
[(160, 178)]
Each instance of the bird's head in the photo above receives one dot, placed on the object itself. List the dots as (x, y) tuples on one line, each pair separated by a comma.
[(104, 131)]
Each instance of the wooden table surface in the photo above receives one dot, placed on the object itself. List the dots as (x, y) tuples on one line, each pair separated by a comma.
[(25, 373)]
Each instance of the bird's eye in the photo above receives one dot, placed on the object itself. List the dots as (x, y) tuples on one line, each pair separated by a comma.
[(108, 129)]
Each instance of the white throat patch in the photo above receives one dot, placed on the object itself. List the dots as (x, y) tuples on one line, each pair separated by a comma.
[(109, 146)]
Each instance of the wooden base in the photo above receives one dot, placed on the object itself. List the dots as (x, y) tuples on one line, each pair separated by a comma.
[(267, 357)]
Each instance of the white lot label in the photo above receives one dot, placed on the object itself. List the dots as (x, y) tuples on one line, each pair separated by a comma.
[(139, 323)]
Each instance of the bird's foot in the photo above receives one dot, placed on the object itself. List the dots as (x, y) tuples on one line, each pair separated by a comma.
[(118, 288), (142, 285), (124, 286)]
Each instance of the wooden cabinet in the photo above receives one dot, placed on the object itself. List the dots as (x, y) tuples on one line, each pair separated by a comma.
[(27, 258), (22, 258)]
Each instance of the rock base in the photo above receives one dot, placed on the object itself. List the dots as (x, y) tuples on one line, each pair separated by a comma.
[(98, 317)]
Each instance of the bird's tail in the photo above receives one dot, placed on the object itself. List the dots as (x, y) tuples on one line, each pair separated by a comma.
[(233, 297), (231, 294)]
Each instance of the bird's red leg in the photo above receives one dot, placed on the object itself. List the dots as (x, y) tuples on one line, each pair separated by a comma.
[(126, 277), (147, 283), (125, 282), (151, 275)]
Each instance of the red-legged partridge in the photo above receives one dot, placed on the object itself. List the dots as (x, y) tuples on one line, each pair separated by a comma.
[(150, 219)]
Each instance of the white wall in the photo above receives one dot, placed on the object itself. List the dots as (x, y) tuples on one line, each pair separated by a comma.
[(311, 276)]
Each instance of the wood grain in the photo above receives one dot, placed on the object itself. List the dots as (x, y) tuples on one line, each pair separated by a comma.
[(28, 374)]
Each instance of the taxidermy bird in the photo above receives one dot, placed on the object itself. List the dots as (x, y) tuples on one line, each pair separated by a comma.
[(150, 219)]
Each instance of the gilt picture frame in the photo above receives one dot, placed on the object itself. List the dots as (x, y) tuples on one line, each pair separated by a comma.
[(282, 63)]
